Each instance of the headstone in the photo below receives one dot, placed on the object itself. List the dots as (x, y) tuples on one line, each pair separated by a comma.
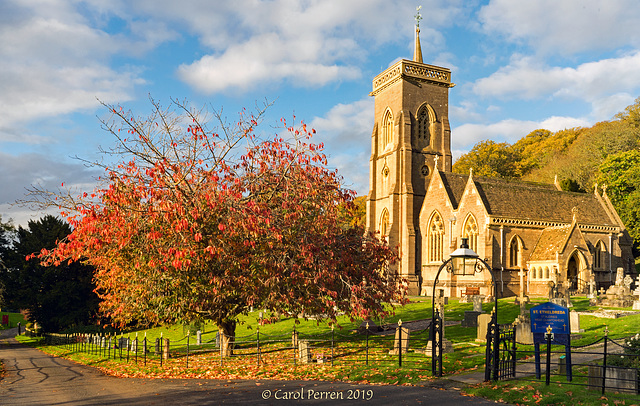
[(156, 350), (470, 318), (305, 351), (628, 280), (636, 305), (592, 289), (134, 345), (217, 339), (199, 337), (483, 324), (637, 291), (477, 303), (397, 344), (619, 276), (574, 321), (522, 325)]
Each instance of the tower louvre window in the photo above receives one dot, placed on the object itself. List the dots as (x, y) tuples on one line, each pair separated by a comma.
[(426, 117)]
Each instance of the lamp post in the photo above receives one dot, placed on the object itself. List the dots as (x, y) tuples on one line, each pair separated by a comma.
[(463, 262)]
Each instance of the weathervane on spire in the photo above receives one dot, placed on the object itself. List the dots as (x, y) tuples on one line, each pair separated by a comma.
[(417, 53), (418, 16)]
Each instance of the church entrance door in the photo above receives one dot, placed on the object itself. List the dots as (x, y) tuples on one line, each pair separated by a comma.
[(572, 272)]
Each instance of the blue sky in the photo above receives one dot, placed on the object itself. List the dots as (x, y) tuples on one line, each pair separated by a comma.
[(518, 66)]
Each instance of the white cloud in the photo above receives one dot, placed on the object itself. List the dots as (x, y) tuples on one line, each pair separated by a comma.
[(346, 133), (23, 171), (348, 123), (263, 59), (55, 62), (310, 44), (467, 135), (603, 83), (564, 26)]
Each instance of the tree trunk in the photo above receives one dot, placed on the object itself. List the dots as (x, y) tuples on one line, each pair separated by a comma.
[(227, 331)]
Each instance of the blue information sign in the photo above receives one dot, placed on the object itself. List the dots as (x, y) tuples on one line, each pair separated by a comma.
[(550, 314)]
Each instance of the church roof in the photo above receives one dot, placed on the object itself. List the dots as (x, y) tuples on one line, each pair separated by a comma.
[(552, 240), (529, 200)]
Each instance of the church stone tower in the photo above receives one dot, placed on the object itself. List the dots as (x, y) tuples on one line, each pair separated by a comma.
[(411, 137)]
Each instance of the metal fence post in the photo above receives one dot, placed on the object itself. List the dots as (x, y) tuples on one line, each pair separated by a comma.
[(604, 360), (400, 342), (144, 348), (188, 334), (366, 362), (548, 373), (332, 341), (258, 344)]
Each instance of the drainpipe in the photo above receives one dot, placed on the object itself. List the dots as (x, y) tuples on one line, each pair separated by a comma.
[(501, 258), (610, 258)]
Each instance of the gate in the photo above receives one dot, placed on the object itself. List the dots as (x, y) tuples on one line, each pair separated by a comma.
[(501, 351)]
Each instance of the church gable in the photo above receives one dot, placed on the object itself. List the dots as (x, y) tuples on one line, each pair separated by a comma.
[(555, 241)]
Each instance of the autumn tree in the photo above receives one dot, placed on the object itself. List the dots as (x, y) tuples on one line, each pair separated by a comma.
[(489, 158), (201, 220)]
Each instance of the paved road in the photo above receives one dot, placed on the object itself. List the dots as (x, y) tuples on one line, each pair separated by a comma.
[(35, 378)]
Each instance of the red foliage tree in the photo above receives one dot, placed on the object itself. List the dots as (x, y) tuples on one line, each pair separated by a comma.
[(197, 224)]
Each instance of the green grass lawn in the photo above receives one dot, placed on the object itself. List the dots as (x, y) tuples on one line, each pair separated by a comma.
[(278, 360), (14, 319)]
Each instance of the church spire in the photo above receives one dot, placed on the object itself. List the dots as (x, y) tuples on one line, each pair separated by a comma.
[(417, 53)]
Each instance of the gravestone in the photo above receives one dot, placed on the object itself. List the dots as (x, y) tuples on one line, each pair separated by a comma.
[(199, 337), (483, 324), (305, 351), (156, 349), (574, 321), (470, 318), (522, 325), (401, 346), (477, 303), (522, 297)]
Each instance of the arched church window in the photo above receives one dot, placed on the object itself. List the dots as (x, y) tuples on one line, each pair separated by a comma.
[(387, 128), (514, 252), (546, 272), (435, 238), (600, 255), (470, 231), (384, 223), (533, 273), (426, 116)]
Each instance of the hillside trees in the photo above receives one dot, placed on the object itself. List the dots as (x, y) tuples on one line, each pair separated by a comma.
[(7, 232), (203, 220), (620, 173), (55, 296)]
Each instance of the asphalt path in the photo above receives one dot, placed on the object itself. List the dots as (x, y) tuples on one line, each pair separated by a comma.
[(35, 378)]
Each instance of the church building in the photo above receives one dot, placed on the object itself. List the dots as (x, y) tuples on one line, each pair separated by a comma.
[(533, 235)]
